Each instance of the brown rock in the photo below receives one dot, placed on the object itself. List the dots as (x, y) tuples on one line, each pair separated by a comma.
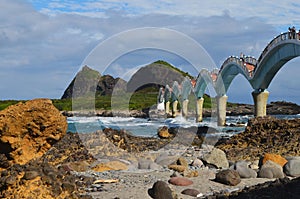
[(163, 133), (191, 192), (160, 190), (178, 168), (108, 166), (78, 166), (228, 177), (182, 161), (275, 158), (28, 130), (190, 174), (180, 181)]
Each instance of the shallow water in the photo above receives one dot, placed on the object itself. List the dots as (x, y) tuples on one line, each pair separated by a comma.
[(148, 127)]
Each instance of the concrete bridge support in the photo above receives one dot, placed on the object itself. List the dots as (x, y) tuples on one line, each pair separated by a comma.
[(221, 109), (185, 108), (167, 107), (199, 109), (175, 108), (260, 102)]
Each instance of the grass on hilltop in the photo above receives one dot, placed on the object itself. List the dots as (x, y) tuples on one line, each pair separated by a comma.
[(137, 101)]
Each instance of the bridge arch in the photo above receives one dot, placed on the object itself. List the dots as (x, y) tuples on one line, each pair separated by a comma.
[(277, 53), (232, 67)]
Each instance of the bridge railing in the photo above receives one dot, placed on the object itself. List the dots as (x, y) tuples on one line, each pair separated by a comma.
[(276, 40), (241, 62)]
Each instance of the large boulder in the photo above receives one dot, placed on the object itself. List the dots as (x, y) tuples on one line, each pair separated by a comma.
[(28, 130)]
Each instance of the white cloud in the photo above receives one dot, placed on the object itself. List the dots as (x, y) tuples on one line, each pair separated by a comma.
[(45, 49)]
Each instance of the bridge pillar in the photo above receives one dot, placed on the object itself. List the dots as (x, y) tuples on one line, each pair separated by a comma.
[(260, 102), (167, 107), (175, 108), (199, 109), (221, 109), (185, 108)]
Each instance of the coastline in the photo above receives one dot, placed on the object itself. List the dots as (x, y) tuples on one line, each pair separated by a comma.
[(114, 164)]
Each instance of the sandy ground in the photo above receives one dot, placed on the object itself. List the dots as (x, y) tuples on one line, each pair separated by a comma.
[(135, 185)]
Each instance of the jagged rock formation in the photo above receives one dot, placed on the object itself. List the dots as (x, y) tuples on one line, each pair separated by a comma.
[(154, 75), (263, 135), (85, 81), (28, 130), (89, 81)]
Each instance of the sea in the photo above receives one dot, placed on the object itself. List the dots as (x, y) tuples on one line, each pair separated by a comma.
[(148, 127)]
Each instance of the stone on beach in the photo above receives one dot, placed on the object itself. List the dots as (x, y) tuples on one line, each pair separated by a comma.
[(163, 133), (292, 168), (271, 170), (180, 181), (109, 166), (191, 192), (244, 171), (228, 177), (160, 190), (197, 163), (275, 158), (216, 157), (28, 130)]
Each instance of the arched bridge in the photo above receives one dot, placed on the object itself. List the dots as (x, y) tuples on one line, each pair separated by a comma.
[(259, 72)]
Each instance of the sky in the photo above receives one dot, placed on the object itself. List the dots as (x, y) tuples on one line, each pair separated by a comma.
[(44, 43)]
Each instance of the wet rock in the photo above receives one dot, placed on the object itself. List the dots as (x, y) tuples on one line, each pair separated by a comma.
[(180, 181), (160, 190), (275, 158), (37, 124), (163, 133), (191, 192), (217, 158), (228, 177), (292, 168), (271, 170)]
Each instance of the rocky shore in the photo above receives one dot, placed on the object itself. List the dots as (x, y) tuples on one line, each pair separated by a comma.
[(274, 108), (40, 160)]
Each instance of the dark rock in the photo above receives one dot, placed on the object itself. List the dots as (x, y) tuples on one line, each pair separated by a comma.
[(29, 175), (191, 192), (160, 190), (264, 135), (228, 177)]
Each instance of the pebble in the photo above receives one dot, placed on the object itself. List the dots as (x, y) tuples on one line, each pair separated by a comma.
[(180, 181), (191, 192)]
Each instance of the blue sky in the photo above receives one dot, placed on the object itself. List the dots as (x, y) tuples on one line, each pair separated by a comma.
[(44, 43)]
